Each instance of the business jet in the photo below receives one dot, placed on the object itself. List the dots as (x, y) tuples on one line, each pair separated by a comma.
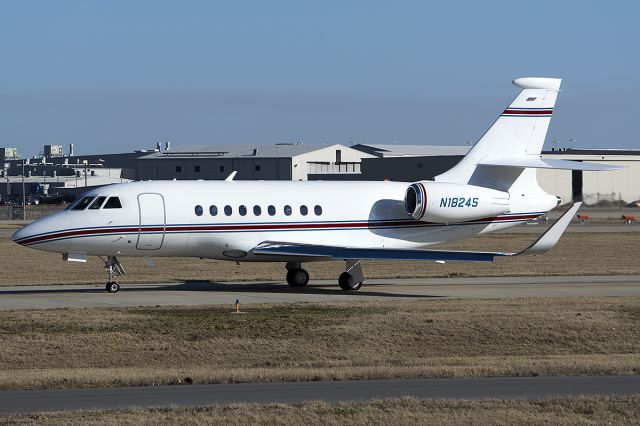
[(492, 188)]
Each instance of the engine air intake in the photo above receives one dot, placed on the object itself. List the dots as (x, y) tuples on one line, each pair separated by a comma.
[(415, 200), (453, 202)]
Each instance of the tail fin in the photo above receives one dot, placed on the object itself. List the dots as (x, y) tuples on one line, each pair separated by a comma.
[(518, 133)]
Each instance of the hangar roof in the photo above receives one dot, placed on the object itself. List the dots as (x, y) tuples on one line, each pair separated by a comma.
[(393, 150), (285, 150)]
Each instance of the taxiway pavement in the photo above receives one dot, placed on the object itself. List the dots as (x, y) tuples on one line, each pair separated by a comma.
[(200, 395), (204, 292)]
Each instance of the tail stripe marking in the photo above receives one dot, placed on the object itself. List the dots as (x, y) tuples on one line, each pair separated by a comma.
[(527, 112)]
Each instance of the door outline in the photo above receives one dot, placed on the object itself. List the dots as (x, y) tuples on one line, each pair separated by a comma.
[(164, 222)]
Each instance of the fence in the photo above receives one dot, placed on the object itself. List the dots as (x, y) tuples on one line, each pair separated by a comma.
[(32, 212), (598, 198)]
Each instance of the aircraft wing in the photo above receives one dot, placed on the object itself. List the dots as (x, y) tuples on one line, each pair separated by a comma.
[(347, 253), (543, 244)]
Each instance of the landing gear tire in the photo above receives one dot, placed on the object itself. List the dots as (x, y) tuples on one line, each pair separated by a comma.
[(346, 282), (113, 287), (297, 277)]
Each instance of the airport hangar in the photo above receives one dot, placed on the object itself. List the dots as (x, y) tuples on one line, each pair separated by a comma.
[(387, 161), (297, 161)]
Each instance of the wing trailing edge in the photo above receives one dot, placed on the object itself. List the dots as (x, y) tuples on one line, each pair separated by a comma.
[(544, 243)]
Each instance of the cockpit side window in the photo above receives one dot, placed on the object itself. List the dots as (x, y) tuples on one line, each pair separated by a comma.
[(113, 203), (97, 203), (82, 204)]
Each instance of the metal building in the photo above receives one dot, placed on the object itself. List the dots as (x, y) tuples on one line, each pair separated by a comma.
[(410, 163), (621, 186), (262, 162), (53, 151)]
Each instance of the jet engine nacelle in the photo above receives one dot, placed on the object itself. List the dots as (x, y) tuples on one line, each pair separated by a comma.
[(443, 202)]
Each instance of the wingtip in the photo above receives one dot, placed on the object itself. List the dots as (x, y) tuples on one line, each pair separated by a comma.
[(550, 238)]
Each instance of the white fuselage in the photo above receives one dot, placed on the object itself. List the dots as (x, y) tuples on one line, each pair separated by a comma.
[(160, 218)]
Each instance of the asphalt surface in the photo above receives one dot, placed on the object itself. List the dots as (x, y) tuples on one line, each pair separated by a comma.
[(200, 395), (200, 293)]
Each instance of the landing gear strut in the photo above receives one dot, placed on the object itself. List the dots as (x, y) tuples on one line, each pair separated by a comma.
[(113, 267), (296, 276), (353, 278)]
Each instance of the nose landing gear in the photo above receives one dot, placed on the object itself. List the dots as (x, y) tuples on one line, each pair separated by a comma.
[(113, 267)]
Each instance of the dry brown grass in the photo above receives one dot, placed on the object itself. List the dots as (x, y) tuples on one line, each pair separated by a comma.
[(569, 411), (401, 339), (576, 254)]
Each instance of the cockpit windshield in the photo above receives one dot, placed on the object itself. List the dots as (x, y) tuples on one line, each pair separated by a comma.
[(82, 203), (97, 203), (113, 203)]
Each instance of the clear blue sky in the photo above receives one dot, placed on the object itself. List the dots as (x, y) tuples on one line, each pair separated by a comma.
[(112, 76)]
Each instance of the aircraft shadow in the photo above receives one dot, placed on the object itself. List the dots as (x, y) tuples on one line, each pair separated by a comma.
[(278, 288), (212, 286)]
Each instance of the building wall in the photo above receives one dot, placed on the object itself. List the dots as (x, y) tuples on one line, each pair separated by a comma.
[(330, 154), (7, 153), (407, 169), (556, 182), (213, 168), (616, 185)]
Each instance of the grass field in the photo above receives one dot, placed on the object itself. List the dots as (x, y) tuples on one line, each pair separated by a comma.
[(399, 339), (566, 411), (576, 254)]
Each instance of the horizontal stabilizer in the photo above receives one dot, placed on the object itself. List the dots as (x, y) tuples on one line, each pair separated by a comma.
[(547, 163), (288, 249)]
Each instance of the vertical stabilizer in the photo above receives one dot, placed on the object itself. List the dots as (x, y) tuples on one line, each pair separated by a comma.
[(519, 132)]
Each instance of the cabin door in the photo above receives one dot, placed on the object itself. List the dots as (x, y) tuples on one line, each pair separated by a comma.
[(152, 221)]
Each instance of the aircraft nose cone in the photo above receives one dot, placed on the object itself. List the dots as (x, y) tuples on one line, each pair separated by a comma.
[(20, 234)]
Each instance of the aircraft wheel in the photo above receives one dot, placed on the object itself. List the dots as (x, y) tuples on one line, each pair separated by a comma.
[(297, 277), (113, 287), (347, 283)]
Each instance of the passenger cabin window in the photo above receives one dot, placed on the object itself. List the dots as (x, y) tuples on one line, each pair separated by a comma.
[(228, 210), (287, 210), (213, 210), (178, 169), (242, 210), (196, 169), (97, 203), (82, 204), (317, 210), (198, 210), (257, 210), (304, 210), (113, 203)]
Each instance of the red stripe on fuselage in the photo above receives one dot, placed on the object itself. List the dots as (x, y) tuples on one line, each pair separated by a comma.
[(256, 227)]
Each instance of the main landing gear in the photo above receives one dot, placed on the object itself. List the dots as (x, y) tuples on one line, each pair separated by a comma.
[(296, 276), (350, 280), (113, 267), (353, 278)]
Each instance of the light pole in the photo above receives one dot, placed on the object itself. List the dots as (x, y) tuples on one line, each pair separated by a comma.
[(24, 196)]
